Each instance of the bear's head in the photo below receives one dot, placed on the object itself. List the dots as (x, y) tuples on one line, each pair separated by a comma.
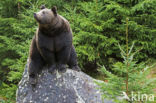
[(46, 16)]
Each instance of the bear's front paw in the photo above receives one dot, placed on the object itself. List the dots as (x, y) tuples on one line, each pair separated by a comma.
[(32, 79), (76, 68), (52, 69), (62, 68)]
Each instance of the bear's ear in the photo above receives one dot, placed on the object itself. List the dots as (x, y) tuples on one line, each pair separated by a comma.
[(54, 9), (42, 7)]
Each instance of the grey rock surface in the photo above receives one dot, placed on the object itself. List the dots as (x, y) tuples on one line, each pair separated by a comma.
[(68, 87)]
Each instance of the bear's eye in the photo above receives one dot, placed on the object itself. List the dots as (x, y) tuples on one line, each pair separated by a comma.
[(43, 12)]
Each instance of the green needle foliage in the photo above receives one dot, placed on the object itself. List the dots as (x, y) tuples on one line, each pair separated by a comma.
[(116, 81), (128, 77)]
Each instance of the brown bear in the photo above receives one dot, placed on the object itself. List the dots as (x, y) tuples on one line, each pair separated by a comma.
[(52, 44)]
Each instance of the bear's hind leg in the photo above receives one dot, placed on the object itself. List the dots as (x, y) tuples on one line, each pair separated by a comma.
[(72, 62), (35, 63), (34, 68)]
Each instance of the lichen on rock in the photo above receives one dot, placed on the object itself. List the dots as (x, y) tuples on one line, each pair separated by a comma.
[(68, 87)]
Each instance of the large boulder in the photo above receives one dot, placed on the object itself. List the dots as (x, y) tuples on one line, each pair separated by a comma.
[(68, 87)]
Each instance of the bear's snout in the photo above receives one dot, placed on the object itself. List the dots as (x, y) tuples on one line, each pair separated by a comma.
[(35, 15)]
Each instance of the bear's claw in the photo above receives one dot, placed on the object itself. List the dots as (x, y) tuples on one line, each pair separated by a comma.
[(52, 69), (62, 68), (32, 81)]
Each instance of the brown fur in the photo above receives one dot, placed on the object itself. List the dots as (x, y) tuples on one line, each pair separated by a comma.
[(52, 44)]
